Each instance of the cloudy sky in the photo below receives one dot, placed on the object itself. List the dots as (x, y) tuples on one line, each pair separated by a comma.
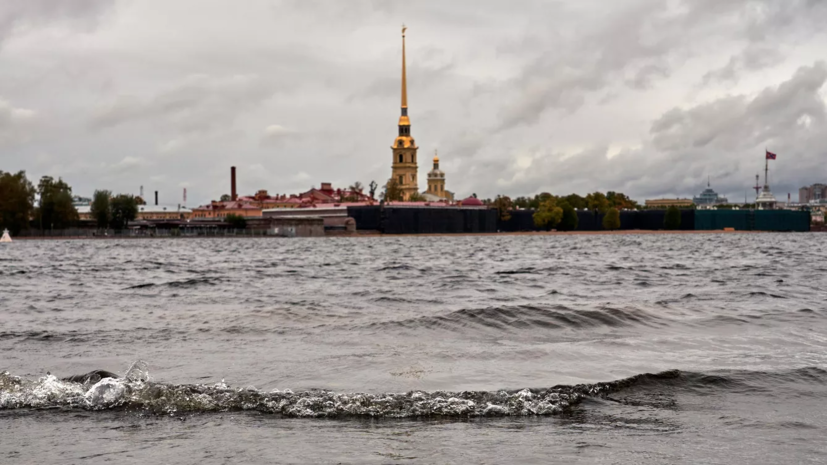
[(647, 97)]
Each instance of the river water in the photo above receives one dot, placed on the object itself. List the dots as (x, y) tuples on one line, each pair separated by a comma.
[(692, 348)]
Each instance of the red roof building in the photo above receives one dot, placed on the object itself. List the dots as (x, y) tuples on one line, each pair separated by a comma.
[(472, 202)]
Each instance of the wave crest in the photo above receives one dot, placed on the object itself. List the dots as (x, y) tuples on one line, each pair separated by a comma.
[(139, 394)]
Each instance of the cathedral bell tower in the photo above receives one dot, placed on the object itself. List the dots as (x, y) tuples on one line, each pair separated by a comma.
[(436, 180), (403, 166)]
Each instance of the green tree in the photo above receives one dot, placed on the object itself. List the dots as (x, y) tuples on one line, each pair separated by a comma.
[(353, 191), (569, 220), (100, 208), (416, 197), (540, 198), (16, 201), (124, 209), (597, 201), (503, 205), (612, 197), (576, 201), (393, 193), (56, 210), (236, 221), (673, 218), (612, 219), (621, 201), (225, 198), (549, 215), (373, 187)]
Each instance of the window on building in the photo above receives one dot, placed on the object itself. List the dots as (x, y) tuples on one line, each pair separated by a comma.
[(401, 158), (401, 178)]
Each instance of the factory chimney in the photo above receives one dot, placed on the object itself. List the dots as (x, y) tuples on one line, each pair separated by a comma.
[(233, 193), (156, 198)]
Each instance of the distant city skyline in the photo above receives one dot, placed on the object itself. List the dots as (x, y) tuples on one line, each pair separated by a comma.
[(648, 98)]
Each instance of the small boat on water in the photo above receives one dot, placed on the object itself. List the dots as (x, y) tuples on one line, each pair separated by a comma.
[(5, 237)]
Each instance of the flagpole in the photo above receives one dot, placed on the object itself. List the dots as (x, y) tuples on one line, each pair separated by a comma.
[(766, 168)]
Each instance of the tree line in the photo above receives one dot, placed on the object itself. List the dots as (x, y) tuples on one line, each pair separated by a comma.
[(114, 212), (560, 212), (594, 201), (49, 205)]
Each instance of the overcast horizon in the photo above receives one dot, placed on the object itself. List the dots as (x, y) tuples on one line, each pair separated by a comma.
[(645, 97)]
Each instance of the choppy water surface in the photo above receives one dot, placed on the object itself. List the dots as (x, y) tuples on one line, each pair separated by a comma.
[(512, 349)]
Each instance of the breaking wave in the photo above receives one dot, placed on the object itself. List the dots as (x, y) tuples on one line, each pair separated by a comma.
[(136, 392)]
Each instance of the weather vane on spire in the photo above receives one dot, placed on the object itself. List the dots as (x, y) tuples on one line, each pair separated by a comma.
[(404, 28)]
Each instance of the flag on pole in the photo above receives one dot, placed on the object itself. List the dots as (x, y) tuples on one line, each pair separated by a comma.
[(770, 155)]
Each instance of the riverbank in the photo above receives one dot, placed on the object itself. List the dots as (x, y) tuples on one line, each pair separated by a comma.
[(570, 233), (379, 234)]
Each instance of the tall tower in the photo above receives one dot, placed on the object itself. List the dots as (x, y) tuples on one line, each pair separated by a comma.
[(436, 180), (403, 166)]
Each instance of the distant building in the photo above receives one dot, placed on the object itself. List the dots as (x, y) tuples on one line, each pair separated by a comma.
[(664, 203), (262, 200), (403, 165), (817, 193), (472, 202), (78, 201), (326, 194), (224, 209), (709, 197), (436, 185), (84, 212), (163, 212), (147, 212)]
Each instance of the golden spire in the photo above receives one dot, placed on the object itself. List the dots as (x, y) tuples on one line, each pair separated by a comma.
[(404, 122), (436, 157), (404, 78)]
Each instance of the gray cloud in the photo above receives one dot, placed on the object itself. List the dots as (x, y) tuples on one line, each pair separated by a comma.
[(16, 124), (20, 17), (754, 57), (643, 96), (724, 138), (644, 41), (198, 104), (275, 135), (738, 123)]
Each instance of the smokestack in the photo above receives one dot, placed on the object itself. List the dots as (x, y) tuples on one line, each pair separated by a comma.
[(233, 193), (156, 198)]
